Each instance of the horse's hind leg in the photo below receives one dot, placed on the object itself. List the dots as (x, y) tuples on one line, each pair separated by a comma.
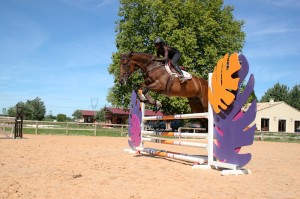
[(196, 105)]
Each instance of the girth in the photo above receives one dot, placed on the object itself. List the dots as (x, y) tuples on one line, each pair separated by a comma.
[(170, 81), (169, 84)]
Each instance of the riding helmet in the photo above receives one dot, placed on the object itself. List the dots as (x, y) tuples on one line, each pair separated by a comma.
[(158, 40)]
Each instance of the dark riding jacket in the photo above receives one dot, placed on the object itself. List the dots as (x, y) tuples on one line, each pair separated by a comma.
[(171, 53), (166, 52)]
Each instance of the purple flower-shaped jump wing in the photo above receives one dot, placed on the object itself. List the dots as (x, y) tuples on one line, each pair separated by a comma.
[(135, 119), (232, 130)]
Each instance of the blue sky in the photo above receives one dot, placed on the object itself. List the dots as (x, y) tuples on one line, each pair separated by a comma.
[(60, 50)]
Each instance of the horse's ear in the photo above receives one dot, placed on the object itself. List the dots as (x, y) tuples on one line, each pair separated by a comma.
[(124, 55)]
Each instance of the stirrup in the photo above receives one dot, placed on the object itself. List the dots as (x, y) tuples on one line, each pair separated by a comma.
[(182, 79)]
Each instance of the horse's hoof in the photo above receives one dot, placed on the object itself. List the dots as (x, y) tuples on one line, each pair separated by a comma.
[(142, 98)]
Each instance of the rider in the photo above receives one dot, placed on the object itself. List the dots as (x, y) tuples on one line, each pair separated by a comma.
[(168, 52)]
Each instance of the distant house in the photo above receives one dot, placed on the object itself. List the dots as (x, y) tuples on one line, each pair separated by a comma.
[(120, 115), (88, 116), (114, 115), (277, 117)]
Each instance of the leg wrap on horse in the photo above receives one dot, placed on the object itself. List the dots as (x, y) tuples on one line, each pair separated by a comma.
[(153, 101)]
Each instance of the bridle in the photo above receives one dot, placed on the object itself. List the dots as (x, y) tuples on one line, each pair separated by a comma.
[(126, 67)]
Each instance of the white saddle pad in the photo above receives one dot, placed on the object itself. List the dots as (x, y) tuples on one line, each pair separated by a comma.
[(185, 74)]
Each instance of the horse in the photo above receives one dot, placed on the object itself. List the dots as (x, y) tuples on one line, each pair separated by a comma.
[(158, 79)]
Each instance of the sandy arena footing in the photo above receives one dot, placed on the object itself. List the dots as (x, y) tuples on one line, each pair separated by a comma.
[(47, 166)]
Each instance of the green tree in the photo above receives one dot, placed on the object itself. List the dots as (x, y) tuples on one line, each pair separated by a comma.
[(77, 114), (252, 95), (61, 117), (203, 30), (28, 110), (38, 108), (50, 116), (11, 111), (101, 115), (294, 97), (278, 93), (32, 109), (4, 111)]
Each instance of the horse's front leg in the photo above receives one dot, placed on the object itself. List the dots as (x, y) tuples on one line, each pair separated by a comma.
[(153, 101), (156, 87), (141, 92)]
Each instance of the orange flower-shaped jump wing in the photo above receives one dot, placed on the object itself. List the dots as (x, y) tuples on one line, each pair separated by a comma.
[(220, 95)]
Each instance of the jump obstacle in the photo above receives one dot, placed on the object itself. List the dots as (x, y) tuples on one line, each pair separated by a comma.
[(228, 125), (15, 124)]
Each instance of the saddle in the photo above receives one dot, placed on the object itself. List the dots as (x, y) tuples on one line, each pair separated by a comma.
[(172, 71)]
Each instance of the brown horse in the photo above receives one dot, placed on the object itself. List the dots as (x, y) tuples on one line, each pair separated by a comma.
[(157, 79)]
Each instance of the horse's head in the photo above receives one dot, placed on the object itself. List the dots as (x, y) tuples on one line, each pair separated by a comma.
[(131, 61), (126, 68)]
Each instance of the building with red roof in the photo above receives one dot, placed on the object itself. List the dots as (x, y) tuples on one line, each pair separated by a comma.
[(114, 115)]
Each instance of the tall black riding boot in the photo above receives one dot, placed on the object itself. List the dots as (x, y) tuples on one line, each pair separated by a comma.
[(181, 77)]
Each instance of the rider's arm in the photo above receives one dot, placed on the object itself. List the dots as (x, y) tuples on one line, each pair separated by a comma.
[(165, 58), (166, 49), (159, 59)]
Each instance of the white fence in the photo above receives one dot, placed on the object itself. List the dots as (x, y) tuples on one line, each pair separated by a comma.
[(36, 127), (7, 125)]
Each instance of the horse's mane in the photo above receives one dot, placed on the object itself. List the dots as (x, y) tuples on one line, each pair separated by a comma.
[(142, 54)]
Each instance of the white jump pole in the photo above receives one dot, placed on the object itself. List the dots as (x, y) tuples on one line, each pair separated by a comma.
[(174, 117), (175, 142), (178, 156), (176, 134)]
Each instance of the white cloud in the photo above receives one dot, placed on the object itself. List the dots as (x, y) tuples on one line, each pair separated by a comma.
[(286, 3), (20, 35), (264, 73), (89, 4), (270, 49), (91, 50), (271, 34), (275, 30)]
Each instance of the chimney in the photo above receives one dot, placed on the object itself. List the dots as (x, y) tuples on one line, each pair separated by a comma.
[(271, 100)]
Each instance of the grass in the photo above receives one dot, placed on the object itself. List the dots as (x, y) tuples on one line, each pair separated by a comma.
[(100, 132), (279, 137), (88, 130)]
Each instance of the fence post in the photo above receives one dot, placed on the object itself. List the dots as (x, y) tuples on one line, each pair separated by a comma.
[(95, 130), (122, 131), (36, 127), (67, 129)]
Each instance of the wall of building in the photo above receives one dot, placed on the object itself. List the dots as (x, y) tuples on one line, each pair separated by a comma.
[(276, 113)]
